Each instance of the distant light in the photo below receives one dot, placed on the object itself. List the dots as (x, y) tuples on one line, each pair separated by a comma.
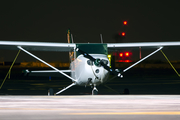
[(125, 22), (115, 54), (127, 54), (123, 33), (121, 54), (127, 61)]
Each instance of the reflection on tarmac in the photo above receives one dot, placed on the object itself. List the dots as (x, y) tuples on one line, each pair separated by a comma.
[(89, 107)]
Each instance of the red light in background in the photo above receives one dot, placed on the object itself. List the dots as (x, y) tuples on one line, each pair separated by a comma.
[(127, 54), (115, 54), (127, 61), (121, 54), (125, 22), (123, 33)]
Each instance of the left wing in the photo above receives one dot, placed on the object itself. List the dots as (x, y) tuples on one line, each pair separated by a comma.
[(37, 46)]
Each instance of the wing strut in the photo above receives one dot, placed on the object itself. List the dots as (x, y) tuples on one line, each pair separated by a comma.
[(9, 72), (143, 59), (66, 88), (170, 64), (46, 63)]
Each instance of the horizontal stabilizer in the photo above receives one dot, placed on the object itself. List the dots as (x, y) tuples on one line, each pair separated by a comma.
[(47, 71), (41, 72)]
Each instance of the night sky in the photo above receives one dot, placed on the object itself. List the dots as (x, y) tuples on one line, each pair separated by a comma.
[(48, 21)]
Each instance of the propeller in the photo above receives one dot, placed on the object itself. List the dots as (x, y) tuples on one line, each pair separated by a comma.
[(99, 62)]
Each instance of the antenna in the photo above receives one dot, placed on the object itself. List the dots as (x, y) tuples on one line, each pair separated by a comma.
[(101, 38), (72, 38)]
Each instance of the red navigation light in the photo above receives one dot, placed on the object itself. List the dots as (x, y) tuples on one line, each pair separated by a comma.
[(121, 54), (125, 22), (123, 33)]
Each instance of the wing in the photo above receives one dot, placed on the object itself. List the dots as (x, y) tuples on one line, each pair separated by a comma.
[(47, 46), (142, 44), (37, 46)]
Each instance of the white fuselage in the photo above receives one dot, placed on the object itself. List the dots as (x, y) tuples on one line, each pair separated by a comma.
[(87, 73)]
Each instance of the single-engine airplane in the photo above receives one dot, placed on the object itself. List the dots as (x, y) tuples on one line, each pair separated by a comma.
[(90, 65)]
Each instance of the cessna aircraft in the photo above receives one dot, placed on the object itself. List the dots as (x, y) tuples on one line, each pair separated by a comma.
[(90, 65)]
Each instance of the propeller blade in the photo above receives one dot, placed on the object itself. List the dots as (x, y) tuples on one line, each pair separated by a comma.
[(113, 71), (85, 54)]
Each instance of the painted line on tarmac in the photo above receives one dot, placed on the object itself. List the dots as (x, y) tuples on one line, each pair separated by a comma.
[(63, 109), (127, 113), (69, 111)]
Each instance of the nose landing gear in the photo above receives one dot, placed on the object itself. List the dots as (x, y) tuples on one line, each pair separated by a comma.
[(95, 91)]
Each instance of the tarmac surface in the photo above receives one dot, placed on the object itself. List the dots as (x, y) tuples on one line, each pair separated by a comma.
[(88, 107)]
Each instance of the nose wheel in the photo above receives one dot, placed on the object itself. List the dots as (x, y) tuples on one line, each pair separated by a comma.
[(95, 91)]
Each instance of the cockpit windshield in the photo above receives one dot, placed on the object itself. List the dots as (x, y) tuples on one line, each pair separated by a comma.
[(92, 48)]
